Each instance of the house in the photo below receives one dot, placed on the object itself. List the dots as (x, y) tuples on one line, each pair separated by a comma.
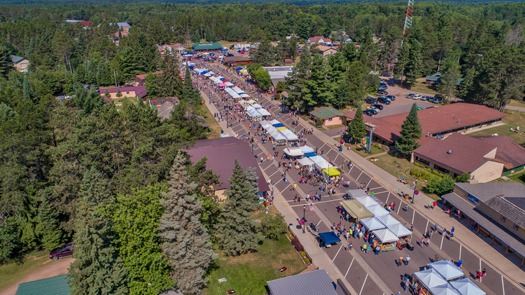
[(319, 40), (123, 31), (433, 79), (437, 122), (233, 61), (206, 46), (21, 64), (278, 74), (170, 49), (510, 153), (310, 283), (350, 115), (112, 94), (495, 210), (458, 154), (164, 105), (141, 79), (51, 286), (221, 154), (327, 50), (84, 23), (327, 116)]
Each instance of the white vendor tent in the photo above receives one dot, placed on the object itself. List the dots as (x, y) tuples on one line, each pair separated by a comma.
[(305, 162), (429, 278), (365, 200), (294, 152), (229, 84), (277, 136), (377, 210), (307, 149), (321, 162), (264, 112), (372, 223), (359, 193), (467, 287), (274, 121), (388, 220), (253, 112), (256, 105), (447, 269), (290, 136), (238, 90), (399, 230), (208, 74), (265, 125), (232, 93), (385, 236), (443, 290)]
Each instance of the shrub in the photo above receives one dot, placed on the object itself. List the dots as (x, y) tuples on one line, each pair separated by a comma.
[(273, 226), (440, 186)]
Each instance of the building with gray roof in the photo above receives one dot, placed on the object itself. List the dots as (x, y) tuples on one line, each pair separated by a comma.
[(316, 282)]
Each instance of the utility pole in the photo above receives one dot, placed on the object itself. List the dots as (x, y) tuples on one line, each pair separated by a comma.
[(408, 19)]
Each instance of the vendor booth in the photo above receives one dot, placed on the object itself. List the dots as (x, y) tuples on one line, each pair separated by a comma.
[(264, 113), (377, 210), (331, 172), (290, 136), (429, 279), (306, 162), (232, 93), (253, 113), (307, 149), (444, 290), (356, 210), (229, 84), (387, 239), (278, 138), (265, 125), (371, 223), (448, 270), (399, 230), (294, 152), (328, 239), (387, 220), (356, 193), (467, 287)]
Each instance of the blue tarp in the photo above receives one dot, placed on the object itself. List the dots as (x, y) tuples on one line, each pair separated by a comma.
[(238, 69), (329, 238), (277, 125), (191, 67), (309, 155)]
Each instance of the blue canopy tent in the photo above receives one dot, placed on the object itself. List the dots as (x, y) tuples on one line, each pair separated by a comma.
[(277, 125), (238, 69), (328, 238), (191, 67), (309, 155)]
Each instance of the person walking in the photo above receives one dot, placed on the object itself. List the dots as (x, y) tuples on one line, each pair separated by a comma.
[(407, 260)]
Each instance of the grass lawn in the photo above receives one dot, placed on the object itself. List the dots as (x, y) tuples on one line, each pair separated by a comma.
[(517, 103), (363, 153), (215, 128), (512, 120), (248, 274), (518, 177), (421, 87), (12, 272)]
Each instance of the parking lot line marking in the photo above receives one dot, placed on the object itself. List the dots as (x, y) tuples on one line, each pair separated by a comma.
[(502, 286), (480, 278), (337, 253), (426, 227), (399, 208), (443, 238), (363, 286), (317, 225), (286, 187), (387, 197), (413, 216), (460, 247), (368, 184), (358, 177), (353, 258)]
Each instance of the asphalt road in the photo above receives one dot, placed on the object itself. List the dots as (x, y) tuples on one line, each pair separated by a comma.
[(365, 272)]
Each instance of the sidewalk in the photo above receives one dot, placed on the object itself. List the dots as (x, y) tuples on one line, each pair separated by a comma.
[(463, 234)]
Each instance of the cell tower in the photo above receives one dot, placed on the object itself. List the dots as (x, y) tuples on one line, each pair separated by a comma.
[(408, 19)]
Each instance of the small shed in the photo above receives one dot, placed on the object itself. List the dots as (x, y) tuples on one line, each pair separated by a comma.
[(50, 286), (327, 116)]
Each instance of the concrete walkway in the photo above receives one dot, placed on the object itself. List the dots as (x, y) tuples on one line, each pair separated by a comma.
[(463, 234)]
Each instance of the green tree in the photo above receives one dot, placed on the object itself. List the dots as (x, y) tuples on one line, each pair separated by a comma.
[(170, 83), (357, 81), (357, 128), (185, 241), (189, 92), (273, 226), (5, 61), (205, 180), (241, 236), (414, 65), (440, 186), (299, 94), (451, 73), (97, 269), (264, 54), (410, 133)]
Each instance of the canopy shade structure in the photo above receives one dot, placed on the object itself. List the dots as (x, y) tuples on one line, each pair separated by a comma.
[(264, 112), (466, 287), (278, 124), (332, 171), (310, 155), (211, 73), (385, 236), (222, 85), (356, 209), (229, 84), (388, 220), (448, 270), (305, 162), (277, 136), (444, 290), (208, 74), (238, 90), (399, 230), (372, 223), (238, 69), (321, 162), (232, 93), (253, 113), (256, 106), (244, 95), (251, 101), (290, 136), (377, 210), (366, 200), (265, 125), (294, 152), (282, 128), (329, 238), (356, 193), (307, 149), (429, 278)]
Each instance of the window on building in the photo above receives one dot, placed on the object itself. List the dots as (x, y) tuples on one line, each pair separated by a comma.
[(329, 119), (503, 218), (473, 199), (516, 227)]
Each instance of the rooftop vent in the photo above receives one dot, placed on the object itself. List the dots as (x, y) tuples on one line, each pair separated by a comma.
[(449, 152)]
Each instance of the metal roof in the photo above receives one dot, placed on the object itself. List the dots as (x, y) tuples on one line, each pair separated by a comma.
[(311, 283), (326, 113), (50, 286)]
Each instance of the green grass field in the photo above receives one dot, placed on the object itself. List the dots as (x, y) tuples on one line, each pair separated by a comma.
[(14, 271), (519, 177), (248, 274), (215, 128), (512, 120)]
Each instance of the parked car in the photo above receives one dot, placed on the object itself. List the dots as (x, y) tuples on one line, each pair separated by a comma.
[(416, 97), (411, 95), (64, 251), (371, 111), (382, 93), (438, 98), (384, 100), (382, 88), (378, 106), (371, 100), (391, 97), (424, 97)]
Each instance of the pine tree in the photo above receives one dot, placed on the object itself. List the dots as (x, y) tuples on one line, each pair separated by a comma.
[(410, 133), (236, 233), (299, 94), (189, 92), (414, 64), (451, 73), (5, 62), (264, 54), (185, 241), (170, 83), (97, 269), (357, 128)]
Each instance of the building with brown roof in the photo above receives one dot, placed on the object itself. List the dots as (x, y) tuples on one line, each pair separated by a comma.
[(164, 106), (495, 210), (510, 153), (319, 40), (458, 154), (437, 122), (237, 60), (221, 154), (327, 50)]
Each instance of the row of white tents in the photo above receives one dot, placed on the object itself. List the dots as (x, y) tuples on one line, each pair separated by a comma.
[(383, 225), (280, 134), (445, 278), (253, 109)]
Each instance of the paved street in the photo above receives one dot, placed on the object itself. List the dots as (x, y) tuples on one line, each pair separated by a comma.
[(365, 273)]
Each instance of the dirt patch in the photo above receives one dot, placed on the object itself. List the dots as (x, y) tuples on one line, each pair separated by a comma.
[(50, 269)]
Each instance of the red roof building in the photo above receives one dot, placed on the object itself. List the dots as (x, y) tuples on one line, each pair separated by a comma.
[(319, 40)]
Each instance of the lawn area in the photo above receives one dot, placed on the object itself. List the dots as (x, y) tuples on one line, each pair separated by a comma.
[(421, 87), (215, 128), (12, 272), (517, 103), (363, 153), (512, 120), (518, 177), (248, 274)]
